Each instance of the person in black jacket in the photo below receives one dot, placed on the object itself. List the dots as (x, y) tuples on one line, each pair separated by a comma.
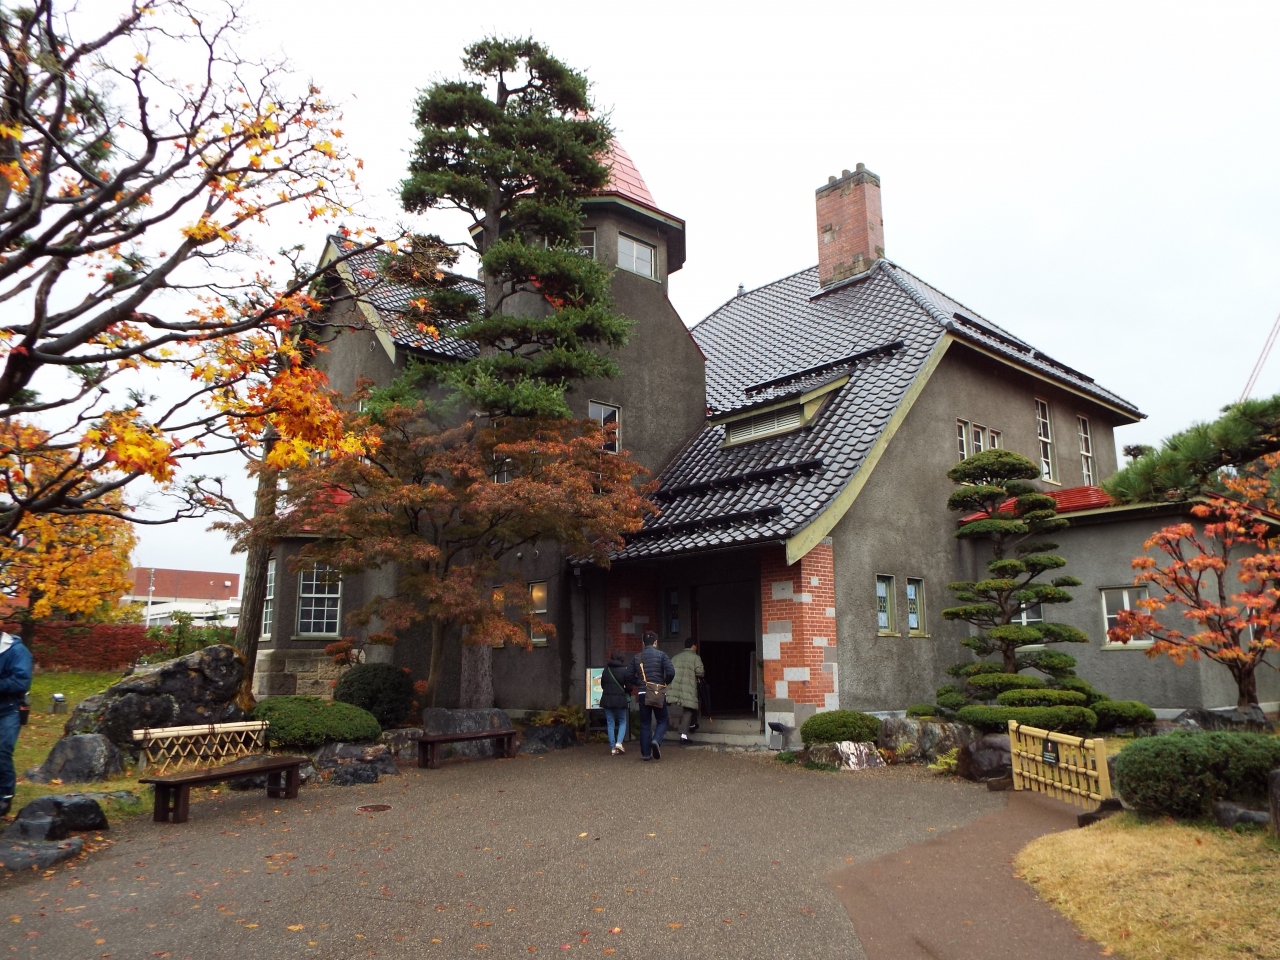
[(653, 666), (613, 701), (15, 681)]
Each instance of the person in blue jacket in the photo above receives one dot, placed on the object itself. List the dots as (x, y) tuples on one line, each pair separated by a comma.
[(650, 665), (15, 681)]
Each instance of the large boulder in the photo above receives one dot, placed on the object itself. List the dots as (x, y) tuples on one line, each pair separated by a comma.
[(52, 817), (556, 736), (1251, 719), (80, 758), (201, 687), (346, 764), (402, 741), (986, 758), (923, 739), (1227, 815), (440, 720), (847, 755)]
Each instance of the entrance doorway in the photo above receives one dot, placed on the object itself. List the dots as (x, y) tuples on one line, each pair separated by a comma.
[(724, 622)]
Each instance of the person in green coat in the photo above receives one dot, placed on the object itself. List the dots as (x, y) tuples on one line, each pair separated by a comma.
[(683, 692)]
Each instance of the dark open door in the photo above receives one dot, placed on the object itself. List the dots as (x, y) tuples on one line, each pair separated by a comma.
[(724, 617)]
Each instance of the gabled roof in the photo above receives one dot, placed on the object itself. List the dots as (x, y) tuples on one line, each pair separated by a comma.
[(886, 330)]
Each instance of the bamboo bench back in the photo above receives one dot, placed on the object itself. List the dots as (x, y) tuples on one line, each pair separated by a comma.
[(172, 748)]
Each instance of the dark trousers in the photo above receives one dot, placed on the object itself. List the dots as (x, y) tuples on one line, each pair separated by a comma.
[(688, 717), (648, 715), (8, 740)]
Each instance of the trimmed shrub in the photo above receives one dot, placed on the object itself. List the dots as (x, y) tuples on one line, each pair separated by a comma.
[(953, 701), (1122, 713), (1042, 698), (384, 690), (72, 645), (1080, 686), (988, 685), (835, 726), (1182, 774), (973, 669), (1076, 720), (306, 722), (1053, 662), (922, 710)]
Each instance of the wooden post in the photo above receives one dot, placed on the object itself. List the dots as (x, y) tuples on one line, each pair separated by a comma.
[(1013, 755), (1273, 794), (1103, 771)]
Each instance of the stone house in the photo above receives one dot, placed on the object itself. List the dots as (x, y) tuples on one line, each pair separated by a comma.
[(801, 436)]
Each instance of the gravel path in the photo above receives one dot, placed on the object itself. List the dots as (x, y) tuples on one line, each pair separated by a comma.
[(699, 855)]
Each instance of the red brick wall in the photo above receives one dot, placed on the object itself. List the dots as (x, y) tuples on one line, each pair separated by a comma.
[(631, 598), (850, 226), (802, 597), (186, 584)]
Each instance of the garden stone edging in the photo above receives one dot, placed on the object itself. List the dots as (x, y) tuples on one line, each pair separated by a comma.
[(443, 720), (923, 739), (80, 758)]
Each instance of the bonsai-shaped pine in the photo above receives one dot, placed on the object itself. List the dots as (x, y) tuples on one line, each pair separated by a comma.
[(1013, 516)]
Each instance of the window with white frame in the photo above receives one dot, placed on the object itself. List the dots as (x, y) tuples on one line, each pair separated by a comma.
[(1029, 615), (978, 439), (319, 600), (1086, 450), (1044, 433), (962, 438), (1115, 599), (886, 614), (996, 439), (607, 415), (587, 243), (915, 607), (635, 256), (269, 600), (538, 604)]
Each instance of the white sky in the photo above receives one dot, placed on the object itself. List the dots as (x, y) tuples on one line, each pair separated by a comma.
[(1101, 179)]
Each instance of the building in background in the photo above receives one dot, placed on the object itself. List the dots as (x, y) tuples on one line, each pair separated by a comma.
[(209, 596)]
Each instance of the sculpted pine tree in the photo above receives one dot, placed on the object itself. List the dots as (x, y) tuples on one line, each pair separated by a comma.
[(1012, 517)]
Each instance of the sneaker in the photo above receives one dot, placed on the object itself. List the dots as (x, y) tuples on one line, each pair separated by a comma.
[(657, 752), (693, 727), (620, 749), (614, 752), (645, 759), (684, 737)]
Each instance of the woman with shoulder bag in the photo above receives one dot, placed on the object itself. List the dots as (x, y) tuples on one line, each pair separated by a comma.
[(613, 701)]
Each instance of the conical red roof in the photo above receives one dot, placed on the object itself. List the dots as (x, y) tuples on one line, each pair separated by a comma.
[(624, 178)]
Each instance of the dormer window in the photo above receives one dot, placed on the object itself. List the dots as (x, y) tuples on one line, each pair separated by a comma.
[(635, 256), (764, 424)]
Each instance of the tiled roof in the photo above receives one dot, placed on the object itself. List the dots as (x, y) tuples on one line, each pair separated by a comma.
[(624, 178), (1070, 500), (787, 337)]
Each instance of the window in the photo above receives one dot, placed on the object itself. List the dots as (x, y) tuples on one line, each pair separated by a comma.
[(538, 596), (1044, 431), (1029, 615), (915, 607), (501, 469), (606, 415), (269, 600), (978, 437), (319, 597), (962, 438), (763, 424), (886, 615), (672, 617), (587, 244), (635, 256), (1115, 599), (1086, 450), (996, 440)]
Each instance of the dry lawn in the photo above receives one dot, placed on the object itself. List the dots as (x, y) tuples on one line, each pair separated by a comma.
[(1161, 890)]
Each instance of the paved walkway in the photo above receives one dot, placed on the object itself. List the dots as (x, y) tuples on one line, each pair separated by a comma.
[(699, 855)]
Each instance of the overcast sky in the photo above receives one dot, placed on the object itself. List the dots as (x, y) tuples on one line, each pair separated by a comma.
[(1101, 179)]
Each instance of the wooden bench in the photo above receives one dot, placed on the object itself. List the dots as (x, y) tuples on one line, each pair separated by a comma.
[(429, 744), (173, 792)]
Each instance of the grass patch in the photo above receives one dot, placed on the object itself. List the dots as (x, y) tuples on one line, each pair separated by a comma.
[(786, 756), (1163, 890), (816, 765)]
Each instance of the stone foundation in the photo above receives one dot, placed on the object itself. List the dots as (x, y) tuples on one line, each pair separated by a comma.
[(308, 673)]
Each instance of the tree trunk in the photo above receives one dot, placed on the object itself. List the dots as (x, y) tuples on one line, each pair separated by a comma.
[(1010, 656), (436, 665), (254, 594), (477, 676), (1246, 687)]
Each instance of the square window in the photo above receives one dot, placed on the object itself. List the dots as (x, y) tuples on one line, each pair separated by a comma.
[(319, 601), (606, 414), (1115, 599), (915, 607), (886, 614), (635, 256), (538, 601)]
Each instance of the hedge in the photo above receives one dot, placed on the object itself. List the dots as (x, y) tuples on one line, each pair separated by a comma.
[(1042, 698), (1122, 713), (1182, 774), (988, 685), (384, 690), (922, 710), (70, 645), (1076, 720), (1080, 686), (305, 722), (835, 726)]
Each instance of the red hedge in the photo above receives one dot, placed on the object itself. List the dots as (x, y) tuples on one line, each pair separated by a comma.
[(67, 645)]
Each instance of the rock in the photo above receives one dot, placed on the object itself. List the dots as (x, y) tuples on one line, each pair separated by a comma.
[(199, 688), (922, 739), (79, 759), (1227, 815), (345, 764), (847, 755), (440, 720), (987, 758), (1252, 720), (351, 774), (52, 817), (544, 739), (402, 742), (27, 855)]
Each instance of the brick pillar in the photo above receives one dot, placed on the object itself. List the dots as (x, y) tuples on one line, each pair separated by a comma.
[(631, 600), (797, 603)]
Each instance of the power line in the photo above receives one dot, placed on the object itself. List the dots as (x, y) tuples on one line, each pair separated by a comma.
[(1262, 359)]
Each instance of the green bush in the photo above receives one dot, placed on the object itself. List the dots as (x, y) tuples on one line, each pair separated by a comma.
[(1053, 662), (973, 669), (953, 701), (922, 710), (305, 722), (382, 689), (1080, 686), (1122, 713), (989, 685), (1042, 698), (1182, 774), (1076, 720), (835, 726)]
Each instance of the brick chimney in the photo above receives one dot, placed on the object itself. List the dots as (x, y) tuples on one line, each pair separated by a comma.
[(850, 225)]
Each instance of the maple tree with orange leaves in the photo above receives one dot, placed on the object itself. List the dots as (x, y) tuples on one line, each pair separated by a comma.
[(1224, 579)]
